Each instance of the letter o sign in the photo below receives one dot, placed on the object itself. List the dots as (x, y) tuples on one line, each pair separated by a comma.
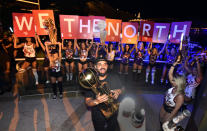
[(133, 28)]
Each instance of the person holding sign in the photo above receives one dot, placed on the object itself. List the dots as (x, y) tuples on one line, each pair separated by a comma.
[(93, 53), (30, 55), (126, 53), (69, 61), (152, 61), (55, 72), (102, 50), (111, 55), (170, 58), (83, 54), (46, 62), (138, 58)]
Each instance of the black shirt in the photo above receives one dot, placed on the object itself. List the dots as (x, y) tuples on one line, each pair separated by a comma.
[(113, 82)]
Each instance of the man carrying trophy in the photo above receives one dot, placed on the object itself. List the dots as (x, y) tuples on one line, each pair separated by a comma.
[(102, 95)]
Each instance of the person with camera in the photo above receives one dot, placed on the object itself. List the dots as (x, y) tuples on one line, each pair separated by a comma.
[(174, 97), (97, 102)]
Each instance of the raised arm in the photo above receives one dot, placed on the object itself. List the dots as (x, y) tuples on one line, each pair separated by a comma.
[(106, 47), (36, 42), (76, 44), (47, 51), (87, 43), (186, 65), (90, 45), (149, 48), (62, 44), (136, 46), (40, 42), (15, 43), (60, 51), (97, 50), (171, 77), (100, 46), (118, 50), (163, 48), (132, 48), (122, 47), (166, 50)]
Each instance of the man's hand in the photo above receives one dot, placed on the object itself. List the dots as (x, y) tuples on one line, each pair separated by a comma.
[(115, 93), (101, 98)]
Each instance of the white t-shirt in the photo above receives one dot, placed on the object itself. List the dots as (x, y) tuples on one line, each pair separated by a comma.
[(169, 97), (29, 50), (190, 89), (111, 55)]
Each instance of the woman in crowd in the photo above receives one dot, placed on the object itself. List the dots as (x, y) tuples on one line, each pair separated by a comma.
[(30, 55), (102, 50), (93, 53), (126, 53), (69, 61), (170, 58), (46, 62), (55, 72), (138, 58), (83, 54), (153, 55), (110, 56), (193, 79), (174, 97)]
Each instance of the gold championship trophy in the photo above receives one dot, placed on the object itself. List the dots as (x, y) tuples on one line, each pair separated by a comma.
[(51, 30), (89, 79)]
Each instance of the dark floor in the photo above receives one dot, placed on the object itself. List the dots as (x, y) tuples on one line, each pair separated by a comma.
[(29, 107)]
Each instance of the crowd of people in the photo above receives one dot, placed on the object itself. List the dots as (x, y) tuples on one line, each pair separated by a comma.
[(181, 68), (85, 52)]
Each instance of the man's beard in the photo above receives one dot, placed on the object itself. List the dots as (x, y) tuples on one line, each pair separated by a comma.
[(102, 74)]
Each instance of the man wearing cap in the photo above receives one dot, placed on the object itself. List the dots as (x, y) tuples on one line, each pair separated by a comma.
[(100, 122)]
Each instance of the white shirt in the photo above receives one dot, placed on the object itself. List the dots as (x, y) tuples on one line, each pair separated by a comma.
[(190, 89), (29, 50), (169, 97), (111, 55)]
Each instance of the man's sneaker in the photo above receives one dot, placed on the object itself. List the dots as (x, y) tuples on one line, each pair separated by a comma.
[(36, 83), (54, 97), (152, 82), (61, 96), (146, 80)]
